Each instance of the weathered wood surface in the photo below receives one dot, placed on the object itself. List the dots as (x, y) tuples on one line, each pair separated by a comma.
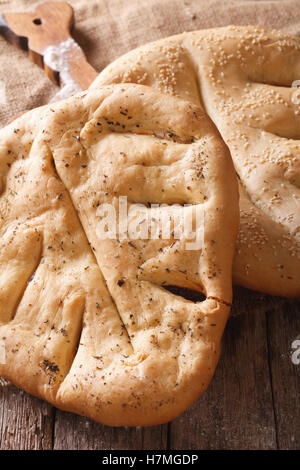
[(25, 422), (252, 402)]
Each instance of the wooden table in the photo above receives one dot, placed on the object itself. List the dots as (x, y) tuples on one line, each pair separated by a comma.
[(252, 402)]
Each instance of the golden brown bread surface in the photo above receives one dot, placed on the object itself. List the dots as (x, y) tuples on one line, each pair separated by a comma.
[(242, 76), (86, 321)]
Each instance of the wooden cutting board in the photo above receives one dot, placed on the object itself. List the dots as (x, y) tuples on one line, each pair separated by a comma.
[(253, 401)]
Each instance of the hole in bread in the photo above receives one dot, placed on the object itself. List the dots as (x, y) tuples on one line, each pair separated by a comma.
[(188, 294), (37, 21)]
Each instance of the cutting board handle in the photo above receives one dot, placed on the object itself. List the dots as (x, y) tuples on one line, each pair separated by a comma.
[(47, 35)]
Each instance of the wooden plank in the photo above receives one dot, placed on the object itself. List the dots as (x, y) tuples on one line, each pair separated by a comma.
[(50, 24), (283, 329), (25, 422), (236, 412), (76, 432), (156, 437)]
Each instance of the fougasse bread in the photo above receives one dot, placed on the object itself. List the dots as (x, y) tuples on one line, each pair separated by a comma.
[(243, 77), (86, 320)]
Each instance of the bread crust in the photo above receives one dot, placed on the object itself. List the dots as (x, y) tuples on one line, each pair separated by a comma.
[(242, 76)]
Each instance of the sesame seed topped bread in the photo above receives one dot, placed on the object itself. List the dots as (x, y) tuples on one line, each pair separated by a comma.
[(242, 76), (86, 320)]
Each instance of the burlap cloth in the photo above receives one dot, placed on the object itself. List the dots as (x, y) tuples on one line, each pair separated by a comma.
[(108, 28)]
